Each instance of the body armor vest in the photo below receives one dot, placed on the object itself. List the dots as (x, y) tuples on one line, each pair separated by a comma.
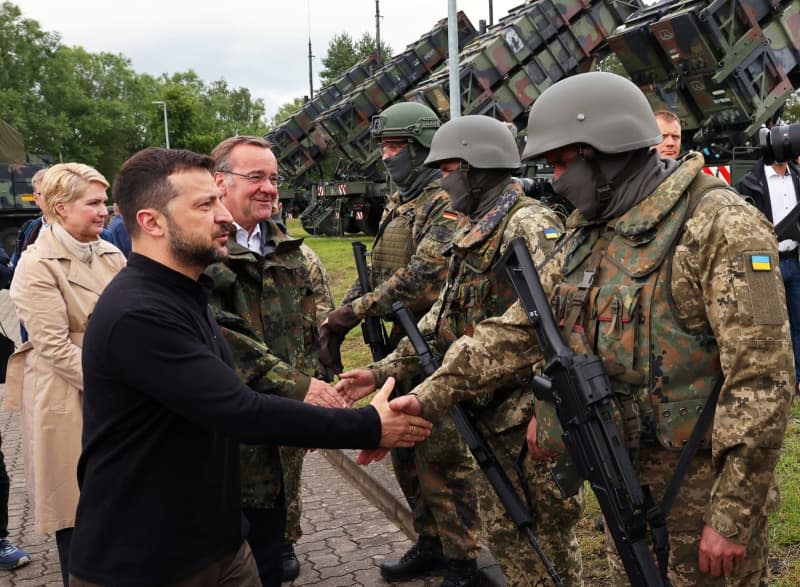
[(396, 241), (628, 317)]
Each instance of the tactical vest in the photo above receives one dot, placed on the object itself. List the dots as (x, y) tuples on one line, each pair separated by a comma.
[(396, 241), (473, 291), (628, 318)]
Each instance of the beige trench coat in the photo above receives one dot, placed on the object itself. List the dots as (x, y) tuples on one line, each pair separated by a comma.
[(54, 293)]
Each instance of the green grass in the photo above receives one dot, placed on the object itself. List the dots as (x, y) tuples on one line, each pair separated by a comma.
[(337, 256)]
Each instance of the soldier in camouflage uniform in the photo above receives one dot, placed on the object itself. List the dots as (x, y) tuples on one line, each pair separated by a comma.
[(407, 262), (672, 280), (408, 265), (263, 299), (477, 156)]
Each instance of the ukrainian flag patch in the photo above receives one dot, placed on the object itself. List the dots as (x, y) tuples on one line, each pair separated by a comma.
[(551, 233), (450, 215), (760, 263)]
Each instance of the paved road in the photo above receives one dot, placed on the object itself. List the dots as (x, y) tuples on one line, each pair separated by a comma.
[(345, 535)]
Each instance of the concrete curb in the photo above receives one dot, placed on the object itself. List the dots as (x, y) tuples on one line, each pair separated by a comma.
[(375, 491)]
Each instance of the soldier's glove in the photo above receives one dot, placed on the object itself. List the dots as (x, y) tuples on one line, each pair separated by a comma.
[(332, 333)]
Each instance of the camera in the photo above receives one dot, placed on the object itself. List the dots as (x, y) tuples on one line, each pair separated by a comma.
[(779, 143)]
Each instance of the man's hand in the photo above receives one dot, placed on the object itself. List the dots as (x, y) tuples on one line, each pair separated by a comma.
[(398, 429), (355, 384), (331, 334), (718, 555), (408, 404), (534, 450), (321, 394)]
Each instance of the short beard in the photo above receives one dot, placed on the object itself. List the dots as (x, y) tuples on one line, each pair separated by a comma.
[(191, 253)]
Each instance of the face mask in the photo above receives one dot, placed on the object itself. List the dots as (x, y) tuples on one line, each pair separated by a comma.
[(577, 185), (400, 167), (457, 186)]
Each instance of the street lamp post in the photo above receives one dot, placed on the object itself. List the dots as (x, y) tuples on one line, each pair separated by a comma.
[(163, 104)]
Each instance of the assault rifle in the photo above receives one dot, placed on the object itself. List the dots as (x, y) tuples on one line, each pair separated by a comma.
[(580, 389), (372, 328), (485, 457)]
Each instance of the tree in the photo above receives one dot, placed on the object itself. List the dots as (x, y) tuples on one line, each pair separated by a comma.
[(340, 56), (343, 53), (365, 46)]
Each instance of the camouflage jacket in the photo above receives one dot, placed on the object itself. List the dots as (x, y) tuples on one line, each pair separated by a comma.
[(473, 292), (715, 287), (265, 308), (320, 283), (416, 283)]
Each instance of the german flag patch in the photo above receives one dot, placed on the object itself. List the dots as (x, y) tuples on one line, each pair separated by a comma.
[(450, 215), (551, 233), (760, 263)]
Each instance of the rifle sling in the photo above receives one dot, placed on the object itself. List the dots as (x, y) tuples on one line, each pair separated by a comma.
[(657, 515)]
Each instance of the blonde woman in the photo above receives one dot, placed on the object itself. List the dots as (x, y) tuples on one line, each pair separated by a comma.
[(56, 285)]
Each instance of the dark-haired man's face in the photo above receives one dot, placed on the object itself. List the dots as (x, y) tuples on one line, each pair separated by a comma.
[(197, 222)]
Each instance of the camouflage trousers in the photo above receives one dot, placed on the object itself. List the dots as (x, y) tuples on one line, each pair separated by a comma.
[(438, 481), (555, 520), (292, 464), (685, 524)]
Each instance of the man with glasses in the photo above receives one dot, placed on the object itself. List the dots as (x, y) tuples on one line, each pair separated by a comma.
[(408, 265), (263, 296)]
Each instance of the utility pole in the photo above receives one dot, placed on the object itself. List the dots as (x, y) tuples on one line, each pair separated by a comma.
[(452, 61), (310, 57), (379, 60), (163, 104), (310, 70)]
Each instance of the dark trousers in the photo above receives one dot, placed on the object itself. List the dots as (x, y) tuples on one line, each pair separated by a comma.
[(63, 540), (265, 538), (790, 271), (235, 570), (5, 486)]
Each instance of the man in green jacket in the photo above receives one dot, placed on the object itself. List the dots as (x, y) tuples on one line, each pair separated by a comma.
[(263, 298)]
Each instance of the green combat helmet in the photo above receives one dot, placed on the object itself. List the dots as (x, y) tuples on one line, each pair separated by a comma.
[(481, 141), (603, 110), (406, 119)]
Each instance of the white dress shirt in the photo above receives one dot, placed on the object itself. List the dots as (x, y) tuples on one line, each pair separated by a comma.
[(782, 200), (250, 241)]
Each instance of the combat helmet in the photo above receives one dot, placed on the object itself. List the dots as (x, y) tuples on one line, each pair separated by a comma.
[(406, 119), (603, 110), (481, 141)]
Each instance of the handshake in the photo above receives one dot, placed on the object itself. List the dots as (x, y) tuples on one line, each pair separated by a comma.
[(401, 424)]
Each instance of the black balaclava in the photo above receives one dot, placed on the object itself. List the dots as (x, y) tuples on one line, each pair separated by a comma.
[(604, 186), (473, 192), (407, 172)]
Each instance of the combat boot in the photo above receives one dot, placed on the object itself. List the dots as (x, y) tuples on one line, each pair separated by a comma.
[(424, 558), (461, 573)]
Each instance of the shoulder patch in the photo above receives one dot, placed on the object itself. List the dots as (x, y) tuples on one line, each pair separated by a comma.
[(760, 263), (762, 285), (551, 233)]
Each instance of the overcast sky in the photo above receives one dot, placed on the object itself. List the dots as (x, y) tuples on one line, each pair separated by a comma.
[(262, 45)]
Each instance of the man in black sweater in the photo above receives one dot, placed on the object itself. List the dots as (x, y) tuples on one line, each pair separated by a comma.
[(163, 409)]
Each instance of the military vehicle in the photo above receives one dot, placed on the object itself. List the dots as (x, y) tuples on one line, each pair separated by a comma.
[(16, 191), (725, 67)]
